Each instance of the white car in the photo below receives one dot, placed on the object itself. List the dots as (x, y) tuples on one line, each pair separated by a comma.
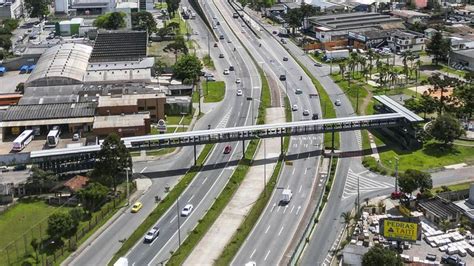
[(337, 102), (226, 72), (305, 112), (239, 93), (187, 210), (152, 234), (294, 107), (237, 81)]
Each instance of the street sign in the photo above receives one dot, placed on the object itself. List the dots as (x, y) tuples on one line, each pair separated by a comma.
[(401, 229), (161, 126)]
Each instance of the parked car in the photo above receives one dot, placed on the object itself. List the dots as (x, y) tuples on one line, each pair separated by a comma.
[(431, 257), (19, 167), (187, 210), (227, 149), (4, 168), (283, 41), (452, 260), (152, 234), (221, 37), (137, 207), (215, 44)]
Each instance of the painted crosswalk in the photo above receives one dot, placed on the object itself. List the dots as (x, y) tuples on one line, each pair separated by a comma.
[(225, 119), (366, 184)]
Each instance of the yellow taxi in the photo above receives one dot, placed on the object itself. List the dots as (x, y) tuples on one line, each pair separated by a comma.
[(137, 206)]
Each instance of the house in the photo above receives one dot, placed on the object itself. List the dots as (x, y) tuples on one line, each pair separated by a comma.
[(430, 32), (406, 40), (65, 192), (410, 16), (439, 209)]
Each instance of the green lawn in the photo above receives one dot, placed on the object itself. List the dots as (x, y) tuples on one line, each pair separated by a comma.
[(207, 61), (356, 89), (22, 217), (161, 5), (433, 155), (213, 91), (176, 119), (455, 187)]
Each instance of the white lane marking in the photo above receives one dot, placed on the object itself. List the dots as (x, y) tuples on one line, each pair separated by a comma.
[(143, 170), (292, 209), (266, 231), (279, 233), (305, 170), (293, 172), (286, 207), (173, 219), (301, 187), (204, 181), (251, 255), (298, 210), (190, 198), (266, 256), (133, 264), (273, 207), (278, 208)]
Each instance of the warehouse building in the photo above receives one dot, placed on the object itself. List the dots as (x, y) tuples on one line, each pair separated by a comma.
[(464, 58), (336, 27)]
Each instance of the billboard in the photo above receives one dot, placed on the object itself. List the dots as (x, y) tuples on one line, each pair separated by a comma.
[(401, 229)]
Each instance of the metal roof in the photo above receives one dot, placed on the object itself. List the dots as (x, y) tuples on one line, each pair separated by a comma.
[(119, 46), (398, 108), (49, 111), (61, 65)]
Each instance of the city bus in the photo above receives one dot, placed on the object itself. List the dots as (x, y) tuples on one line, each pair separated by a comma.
[(53, 137), (23, 140)]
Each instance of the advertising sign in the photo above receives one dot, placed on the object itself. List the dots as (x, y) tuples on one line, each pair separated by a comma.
[(161, 125), (401, 229)]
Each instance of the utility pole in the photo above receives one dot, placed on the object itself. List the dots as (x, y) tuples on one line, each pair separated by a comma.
[(357, 100), (396, 174)]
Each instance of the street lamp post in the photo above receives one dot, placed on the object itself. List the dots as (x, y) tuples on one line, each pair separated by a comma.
[(128, 187), (179, 225)]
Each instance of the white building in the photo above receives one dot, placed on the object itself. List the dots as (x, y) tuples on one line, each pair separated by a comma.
[(405, 40), (11, 9), (61, 6)]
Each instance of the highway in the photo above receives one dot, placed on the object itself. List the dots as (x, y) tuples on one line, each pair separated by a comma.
[(270, 238), (232, 111), (207, 184)]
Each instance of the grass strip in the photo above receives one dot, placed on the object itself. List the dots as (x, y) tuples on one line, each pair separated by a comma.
[(237, 240), (208, 63), (164, 205), (213, 91)]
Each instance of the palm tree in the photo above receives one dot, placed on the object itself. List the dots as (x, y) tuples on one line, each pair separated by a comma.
[(370, 56), (362, 63), (347, 218), (342, 68), (393, 77)]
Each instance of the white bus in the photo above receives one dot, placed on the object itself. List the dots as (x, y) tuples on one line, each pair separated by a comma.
[(22, 140), (53, 138)]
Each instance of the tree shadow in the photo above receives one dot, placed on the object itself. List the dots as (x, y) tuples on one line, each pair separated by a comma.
[(439, 150), (30, 199)]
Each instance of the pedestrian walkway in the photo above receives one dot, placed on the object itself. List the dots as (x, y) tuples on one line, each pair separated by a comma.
[(366, 184), (215, 240)]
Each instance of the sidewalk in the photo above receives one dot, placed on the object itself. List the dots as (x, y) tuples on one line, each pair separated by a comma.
[(215, 240)]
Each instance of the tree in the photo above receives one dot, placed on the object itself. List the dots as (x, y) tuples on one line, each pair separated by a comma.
[(11, 24), (464, 97), (111, 162), (143, 20), (93, 196), (188, 67), (243, 3), (178, 46), (77, 214), (111, 21), (5, 42), (40, 179), (37, 8), (438, 47), (444, 225), (378, 255), (172, 6), (306, 11), (293, 18), (441, 86), (60, 225), (422, 179), (407, 184), (347, 217), (446, 129)]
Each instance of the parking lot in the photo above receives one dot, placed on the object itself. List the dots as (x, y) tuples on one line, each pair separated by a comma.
[(38, 143), (10, 79)]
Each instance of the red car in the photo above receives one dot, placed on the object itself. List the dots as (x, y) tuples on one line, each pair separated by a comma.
[(397, 194), (227, 149)]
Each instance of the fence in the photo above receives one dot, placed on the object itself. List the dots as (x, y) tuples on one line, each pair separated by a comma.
[(49, 251)]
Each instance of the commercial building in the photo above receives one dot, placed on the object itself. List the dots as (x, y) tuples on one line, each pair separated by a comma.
[(410, 16), (368, 38), (439, 209), (125, 125), (405, 40), (133, 103), (92, 7), (463, 57), (12, 9), (336, 27)]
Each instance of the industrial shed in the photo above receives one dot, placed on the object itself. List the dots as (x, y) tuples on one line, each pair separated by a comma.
[(64, 64)]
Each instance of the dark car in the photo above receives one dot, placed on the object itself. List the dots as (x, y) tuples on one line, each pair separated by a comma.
[(231, 68), (282, 77), (285, 58), (452, 260), (221, 37), (315, 117), (19, 167), (215, 45), (221, 55), (431, 257), (227, 149), (275, 32)]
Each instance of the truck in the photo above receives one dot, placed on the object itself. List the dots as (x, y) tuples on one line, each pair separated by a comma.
[(286, 196), (283, 32), (336, 54)]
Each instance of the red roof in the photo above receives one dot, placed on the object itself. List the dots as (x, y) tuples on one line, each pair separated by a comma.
[(76, 183)]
